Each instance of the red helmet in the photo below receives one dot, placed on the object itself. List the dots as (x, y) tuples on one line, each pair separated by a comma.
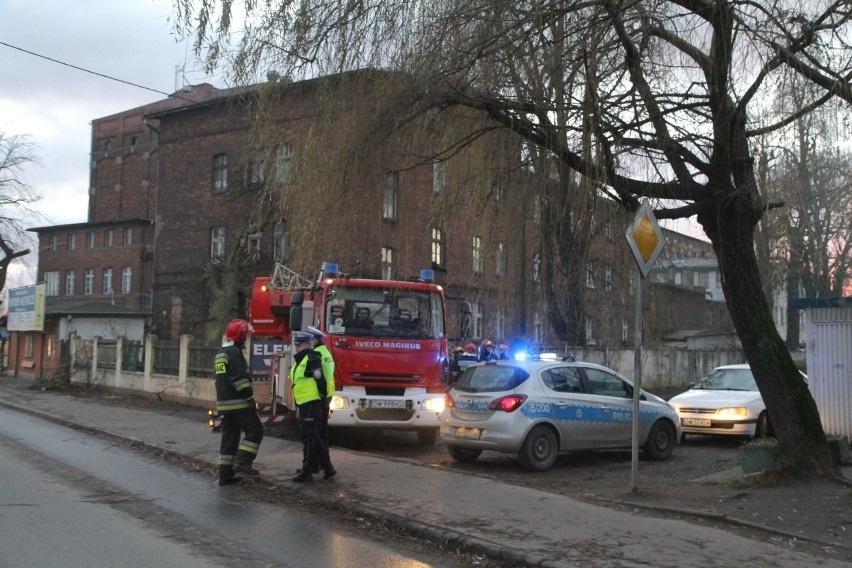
[(238, 330), (458, 349), (487, 343), (470, 348)]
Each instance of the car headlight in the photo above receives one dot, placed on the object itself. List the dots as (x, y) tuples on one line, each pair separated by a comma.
[(339, 403), (733, 412), (433, 405)]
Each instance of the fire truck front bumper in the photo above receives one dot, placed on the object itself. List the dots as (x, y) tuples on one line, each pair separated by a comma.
[(412, 411)]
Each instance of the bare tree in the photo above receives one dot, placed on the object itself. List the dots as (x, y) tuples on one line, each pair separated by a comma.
[(654, 100), (16, 198)]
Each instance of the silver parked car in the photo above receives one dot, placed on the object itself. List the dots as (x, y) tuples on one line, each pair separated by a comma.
[(538, 409), (725, 402)]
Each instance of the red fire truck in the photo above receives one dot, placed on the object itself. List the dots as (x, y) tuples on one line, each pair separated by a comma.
[(388, 339)]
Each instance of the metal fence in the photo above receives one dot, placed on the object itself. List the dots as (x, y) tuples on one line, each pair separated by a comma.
[(107, 354), (167, 358), (201, 361)]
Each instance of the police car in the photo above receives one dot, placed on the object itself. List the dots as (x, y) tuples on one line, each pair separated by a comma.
[(540, 408)]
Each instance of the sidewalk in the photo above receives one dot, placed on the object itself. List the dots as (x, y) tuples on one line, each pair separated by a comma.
[(524, 526)]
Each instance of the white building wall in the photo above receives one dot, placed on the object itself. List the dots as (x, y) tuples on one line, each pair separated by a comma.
[(829, 359)]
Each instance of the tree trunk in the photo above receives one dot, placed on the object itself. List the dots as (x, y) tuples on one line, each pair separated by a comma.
[(794, 418)]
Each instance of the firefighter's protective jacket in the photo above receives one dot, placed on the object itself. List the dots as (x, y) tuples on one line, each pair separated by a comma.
[(233, 385)]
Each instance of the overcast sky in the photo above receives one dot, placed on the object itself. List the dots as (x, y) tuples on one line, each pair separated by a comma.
[(53, 104)]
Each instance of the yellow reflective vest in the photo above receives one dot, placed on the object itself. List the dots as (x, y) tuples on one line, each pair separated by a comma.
[(327, 368), (304, 388)]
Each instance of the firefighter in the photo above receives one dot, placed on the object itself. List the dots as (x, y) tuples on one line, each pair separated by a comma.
[(235, 404), (318, 345), (309, 390), (455, 367), (486, 352)]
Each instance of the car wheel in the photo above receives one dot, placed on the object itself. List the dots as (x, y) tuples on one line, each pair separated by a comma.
[(427, 437), (661, 441), (761, 429), (463, 455), (539, 449)]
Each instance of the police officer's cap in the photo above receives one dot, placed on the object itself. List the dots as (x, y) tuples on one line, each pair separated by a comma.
[(301, 337), (317, 334)]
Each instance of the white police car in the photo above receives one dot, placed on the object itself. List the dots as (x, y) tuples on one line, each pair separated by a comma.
[(540, 408)]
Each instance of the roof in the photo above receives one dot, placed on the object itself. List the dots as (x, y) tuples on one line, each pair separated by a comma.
[(134, 221), (92, 308), (836, 302)]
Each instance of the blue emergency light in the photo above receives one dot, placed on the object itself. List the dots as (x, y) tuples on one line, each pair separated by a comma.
[(330, 269), (427, 275)]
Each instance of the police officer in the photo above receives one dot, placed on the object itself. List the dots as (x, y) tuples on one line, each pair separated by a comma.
[(309, 390), (235, 404), (486, 352), (318, 345)]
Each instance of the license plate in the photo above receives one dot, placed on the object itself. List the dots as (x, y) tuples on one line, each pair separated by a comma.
[(700, 422), (383, 403), (468, 433)]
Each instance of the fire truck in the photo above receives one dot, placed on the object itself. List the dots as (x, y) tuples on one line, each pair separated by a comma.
[(388, 339)]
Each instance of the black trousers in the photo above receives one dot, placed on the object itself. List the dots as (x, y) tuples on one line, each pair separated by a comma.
[(231, 451), (314, 451)]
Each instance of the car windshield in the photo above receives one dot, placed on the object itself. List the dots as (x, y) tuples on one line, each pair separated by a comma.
[(385, 312), (491, 378), (728, 379)]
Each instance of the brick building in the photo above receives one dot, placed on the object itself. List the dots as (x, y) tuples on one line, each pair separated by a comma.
[(194, 196)]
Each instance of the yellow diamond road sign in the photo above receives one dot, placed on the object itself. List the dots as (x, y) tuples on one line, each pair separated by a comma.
[(646, 239)]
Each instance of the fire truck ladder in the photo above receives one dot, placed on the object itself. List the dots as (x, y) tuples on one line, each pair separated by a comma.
[(285, 279)]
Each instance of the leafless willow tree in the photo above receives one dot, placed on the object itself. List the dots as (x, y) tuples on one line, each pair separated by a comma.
[(16, 198), (657, 100)]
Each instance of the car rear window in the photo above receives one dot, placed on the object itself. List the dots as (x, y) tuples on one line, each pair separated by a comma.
[(491, 378)]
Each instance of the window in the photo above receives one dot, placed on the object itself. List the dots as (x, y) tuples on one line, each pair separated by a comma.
[(438, 176), (606, 384), (51, 283), (217, 243), (70, 281), (28, 346), (253, 244), (283, 161), (389, 204), (563, 379), (536, 271), (608, 278), (109, 238), (90, 239), (256, 169), (625, 331), (590, 276), (500, 260), (538, 326), (477, 320), (126, 280), (437, 246), (106, 283), (280, 242), (89, 282), (107, 145), (589, 337), (128, 236), (477, 254), (71, 241), (388, 270), (608, 230), (52, 243), (220, 172)]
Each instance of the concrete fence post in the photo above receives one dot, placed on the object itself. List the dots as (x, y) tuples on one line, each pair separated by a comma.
[(183, 364), (150, 343)]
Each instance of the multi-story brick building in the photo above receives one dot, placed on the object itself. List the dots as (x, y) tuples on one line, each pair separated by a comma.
[(194, 196)]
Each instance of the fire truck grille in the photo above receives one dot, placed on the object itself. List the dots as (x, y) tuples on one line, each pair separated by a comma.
[(385, 414)]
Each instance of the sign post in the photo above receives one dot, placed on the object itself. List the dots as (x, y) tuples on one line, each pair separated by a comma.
[(646, 241)]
